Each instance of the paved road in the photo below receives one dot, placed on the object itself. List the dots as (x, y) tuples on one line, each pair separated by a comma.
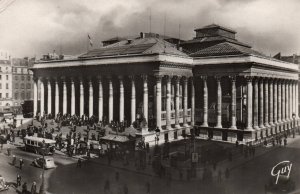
[(248, 178)]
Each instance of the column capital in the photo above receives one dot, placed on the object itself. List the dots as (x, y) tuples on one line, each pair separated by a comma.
[(232, 78), (120, 77), (249, 78), (99, 78), (176, 78), (184, 78), (144, 77), (218, 78), (203, 77), (167, 78), (132, 77), (158, 78)]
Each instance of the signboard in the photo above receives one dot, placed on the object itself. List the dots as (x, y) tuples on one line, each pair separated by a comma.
[(195, 157)]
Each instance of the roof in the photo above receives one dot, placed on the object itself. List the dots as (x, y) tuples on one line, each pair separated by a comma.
[(214, 38), (137, 46), (33, 138), (215, 26), (117, 138), (226, 48)]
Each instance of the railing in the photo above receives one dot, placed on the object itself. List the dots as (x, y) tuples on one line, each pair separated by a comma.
[(164, 114)]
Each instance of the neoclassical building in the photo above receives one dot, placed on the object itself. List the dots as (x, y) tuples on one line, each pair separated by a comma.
[(214, 84)]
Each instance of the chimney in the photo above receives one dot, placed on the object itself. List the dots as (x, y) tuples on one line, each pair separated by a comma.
[(142, 35)]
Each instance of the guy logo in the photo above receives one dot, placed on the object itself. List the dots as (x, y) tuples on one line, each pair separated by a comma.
[(282, 169)]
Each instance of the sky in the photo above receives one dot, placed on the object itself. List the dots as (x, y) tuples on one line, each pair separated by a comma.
[(35, 27)]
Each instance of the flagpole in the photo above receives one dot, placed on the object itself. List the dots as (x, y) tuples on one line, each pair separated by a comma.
[(87, 43)]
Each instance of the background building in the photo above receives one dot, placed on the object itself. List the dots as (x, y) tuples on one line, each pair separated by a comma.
[(22, 81), (5, 82)]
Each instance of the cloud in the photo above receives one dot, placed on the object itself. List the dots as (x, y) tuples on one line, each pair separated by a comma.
[(36, 27)]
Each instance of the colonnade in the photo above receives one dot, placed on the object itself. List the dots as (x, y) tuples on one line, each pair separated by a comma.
[(270, 102), (169, 81)]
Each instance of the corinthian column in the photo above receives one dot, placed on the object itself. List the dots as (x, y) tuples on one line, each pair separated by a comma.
[(64, 96), (145, 97), (266, 111), (185, 101), (121, 115), (177, 81), (73, 97), (233, 102), (91, 98), (56, 96), (192, 102), (110, 100), (132, 99), (219, 103), (158, 101), (42, 97), (261, 103), (168, 101), (271, 113), (81, 97), (255, 107), (49, 97), (283, 100), (35, 96), (205, 102), (279, 102), (100, 99), (249, 103), (275, 85)]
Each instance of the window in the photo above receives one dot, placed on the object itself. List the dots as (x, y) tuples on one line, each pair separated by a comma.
[(0, 69), (16, 96), (16, 77), (22, 86), (6, 77), (0, 75), (17, 86), (22, 96), (0, 86), (22, 78), (0, 95), (6, 95), (22, 70), (28, 86), (28, 96), (7, 86), (28, 78)]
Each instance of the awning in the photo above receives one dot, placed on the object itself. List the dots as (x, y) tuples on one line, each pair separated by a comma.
[(116, 138)]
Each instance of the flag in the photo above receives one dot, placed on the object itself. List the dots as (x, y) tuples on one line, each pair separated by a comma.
[(90, 40)]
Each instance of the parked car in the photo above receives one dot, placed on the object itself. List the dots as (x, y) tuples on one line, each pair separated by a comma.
[(48, 161)]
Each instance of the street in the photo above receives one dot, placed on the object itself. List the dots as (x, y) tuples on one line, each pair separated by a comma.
[(247, 178)]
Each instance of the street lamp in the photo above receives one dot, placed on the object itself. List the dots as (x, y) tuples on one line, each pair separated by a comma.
[(157, 133), (42, 188)]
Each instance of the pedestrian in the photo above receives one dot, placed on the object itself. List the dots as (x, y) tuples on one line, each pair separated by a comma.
[(21, 163), (19, 180), (285, 141), (33, 188), (117, 176), (148, 188), (14, 160), (79, 163), (219, 175), (125, 189), (107, 186), (8, 151), (227, 173), (24, 188)]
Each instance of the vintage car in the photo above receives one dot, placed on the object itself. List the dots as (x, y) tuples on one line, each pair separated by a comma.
[(48, 161), (3, 185)]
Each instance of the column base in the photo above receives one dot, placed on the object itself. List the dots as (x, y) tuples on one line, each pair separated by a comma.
[(261, 126), (186, 125), (218, 126), (177, 126), (233, 127), (204, 125), (256, 127)]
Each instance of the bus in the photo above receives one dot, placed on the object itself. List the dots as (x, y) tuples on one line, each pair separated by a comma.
[(27, 108), (35, 144)]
